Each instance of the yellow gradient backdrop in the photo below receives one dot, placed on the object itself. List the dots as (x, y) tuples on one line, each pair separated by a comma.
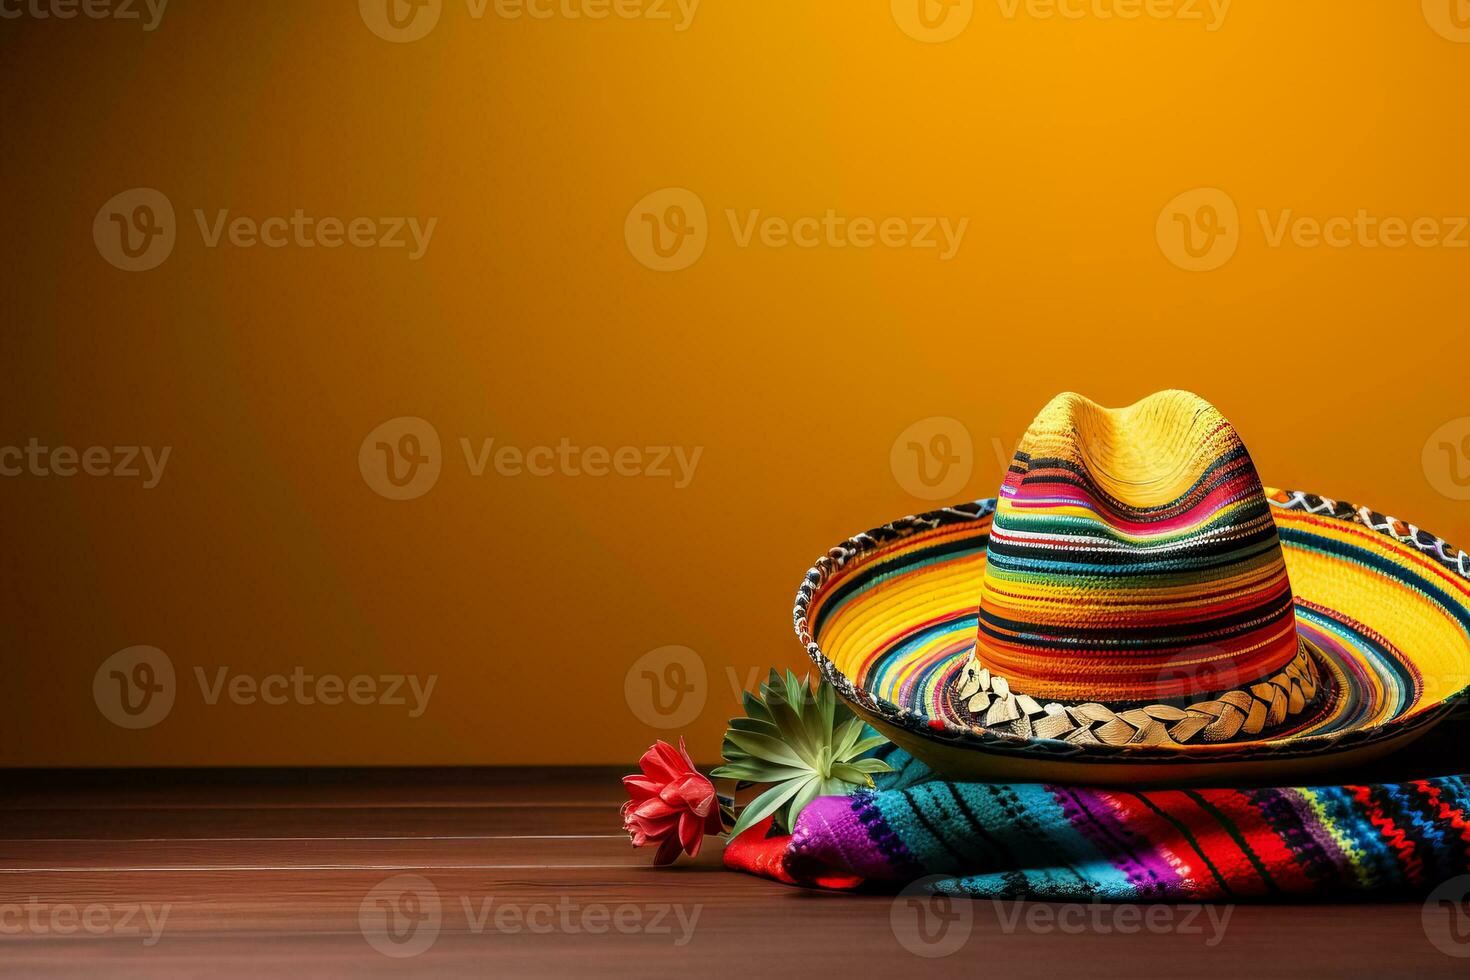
[(529, 319)]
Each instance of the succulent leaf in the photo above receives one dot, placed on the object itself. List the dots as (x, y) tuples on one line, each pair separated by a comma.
[(766, 804), (847, 736), (866, 745), (802, 743), (756, 771), (767, 747), (756, 725), (755, 708)]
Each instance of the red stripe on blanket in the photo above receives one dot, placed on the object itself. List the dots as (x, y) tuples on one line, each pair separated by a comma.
[(755, 853), (1289, 874), (1216, 841), (1154, 838)]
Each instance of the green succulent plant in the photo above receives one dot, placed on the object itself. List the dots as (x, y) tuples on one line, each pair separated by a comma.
[(803, 743)]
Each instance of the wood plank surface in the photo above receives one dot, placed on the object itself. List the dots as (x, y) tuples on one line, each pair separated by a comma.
[(509, 873)]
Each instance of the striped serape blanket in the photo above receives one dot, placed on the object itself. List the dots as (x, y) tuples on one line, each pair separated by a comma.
[(1069, 843)]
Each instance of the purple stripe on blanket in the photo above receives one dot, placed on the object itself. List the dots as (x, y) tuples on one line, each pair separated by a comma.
[(843, 833), (1094, 815)]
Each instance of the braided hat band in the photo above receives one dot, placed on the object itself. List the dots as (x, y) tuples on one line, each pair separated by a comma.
[(1290, 697)]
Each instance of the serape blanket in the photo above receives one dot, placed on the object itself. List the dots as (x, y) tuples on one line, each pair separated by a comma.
[(1069, 843)]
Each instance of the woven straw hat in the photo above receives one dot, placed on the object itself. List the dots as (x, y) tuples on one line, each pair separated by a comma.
[(1135, 606)]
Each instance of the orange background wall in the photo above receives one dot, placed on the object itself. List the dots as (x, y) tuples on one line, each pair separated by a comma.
[(535, 600)]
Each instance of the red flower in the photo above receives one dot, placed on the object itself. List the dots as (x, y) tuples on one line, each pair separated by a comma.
[(672, 804)]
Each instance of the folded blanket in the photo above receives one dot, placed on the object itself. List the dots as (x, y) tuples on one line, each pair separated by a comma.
[(1068, 843)]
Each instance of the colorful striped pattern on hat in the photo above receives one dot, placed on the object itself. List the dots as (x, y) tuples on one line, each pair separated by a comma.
[(1133, 557), (890, 618)]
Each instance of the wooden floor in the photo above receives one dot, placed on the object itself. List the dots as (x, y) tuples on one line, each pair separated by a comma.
[(513, 873)]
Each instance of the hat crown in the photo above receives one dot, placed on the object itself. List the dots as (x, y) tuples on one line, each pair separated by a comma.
[(1133, 557)]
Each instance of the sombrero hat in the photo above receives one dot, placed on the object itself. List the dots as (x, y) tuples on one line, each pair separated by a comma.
[(1135, 606)]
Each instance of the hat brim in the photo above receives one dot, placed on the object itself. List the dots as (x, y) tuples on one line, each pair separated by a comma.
[(889, 618)]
